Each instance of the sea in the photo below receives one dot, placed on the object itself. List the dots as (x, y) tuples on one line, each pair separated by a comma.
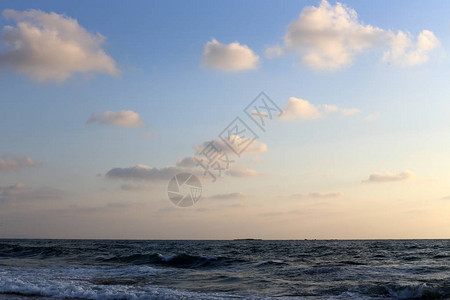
[(234, 269)]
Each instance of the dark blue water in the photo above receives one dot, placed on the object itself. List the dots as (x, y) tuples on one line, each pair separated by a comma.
[(98, 269)]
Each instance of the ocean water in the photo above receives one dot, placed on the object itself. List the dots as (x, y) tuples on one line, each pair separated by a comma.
[(245, 269)]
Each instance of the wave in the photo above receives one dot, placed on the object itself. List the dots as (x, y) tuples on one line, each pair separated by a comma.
[(63, 290), (12, 250), (421, 291), (179, 260)]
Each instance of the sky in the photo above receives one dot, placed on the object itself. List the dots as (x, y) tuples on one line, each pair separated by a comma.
[(102, 104)]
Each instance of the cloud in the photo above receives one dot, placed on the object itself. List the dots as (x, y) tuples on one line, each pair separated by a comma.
[(228, 196), (21, 192), (50, 46), (318, 195), (146, 134), (144, 172), (187, 162), (254, 148), (390, 177), (405, 52), (371, 117), (274, 51), (134, 187), (325, 195), (233, 57), (331, 109), (446, 198), (123, 118), (16, 162), (329, 37), (240, 171), (297, 108), (190, 164)]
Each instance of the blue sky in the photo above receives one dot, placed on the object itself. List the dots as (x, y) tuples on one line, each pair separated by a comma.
[(159, 71)]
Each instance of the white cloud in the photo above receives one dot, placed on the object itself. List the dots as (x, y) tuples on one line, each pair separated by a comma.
[(297, 108), (123, 118), (329, 37), (50, 46), (405, 53), (390, 177), (15, 162), (233, 57)]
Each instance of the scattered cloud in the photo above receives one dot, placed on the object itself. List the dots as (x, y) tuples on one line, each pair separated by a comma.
[(389, 177), (233, 57), (123, 118), (329, 37), (446, 198), (228, 196), (297, 108), (21, 192), (143, 172), (15, 162), (50, 46)]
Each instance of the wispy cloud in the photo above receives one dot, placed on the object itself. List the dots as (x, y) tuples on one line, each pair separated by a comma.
[(15, 162), (144, 172), (123, 118), (254, 148), (389, 177), (135, 187), (297, 108), (50, 46), (318, 195), (21, 192), (233, 57), (228, 196)]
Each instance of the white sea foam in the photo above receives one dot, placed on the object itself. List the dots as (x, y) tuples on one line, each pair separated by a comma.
[(77, 282)]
